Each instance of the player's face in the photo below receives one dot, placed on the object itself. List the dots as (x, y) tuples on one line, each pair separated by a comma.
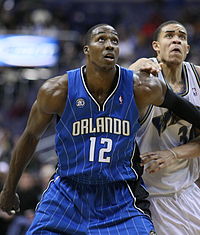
[(103, 50), (172, 46)]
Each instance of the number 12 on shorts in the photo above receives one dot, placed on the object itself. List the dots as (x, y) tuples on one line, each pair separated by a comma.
[(102, 151)]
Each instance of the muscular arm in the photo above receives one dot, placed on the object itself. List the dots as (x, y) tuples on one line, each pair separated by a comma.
[(150, 90), (25, 147), (50, 100)]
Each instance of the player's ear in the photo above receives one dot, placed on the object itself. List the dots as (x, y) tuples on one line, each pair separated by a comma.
[(156, 46), (188, 49), (85, 50)]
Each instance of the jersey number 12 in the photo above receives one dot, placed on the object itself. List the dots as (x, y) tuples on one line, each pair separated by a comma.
[(107, 149)]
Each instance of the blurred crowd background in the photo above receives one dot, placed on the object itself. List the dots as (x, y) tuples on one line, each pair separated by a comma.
[(67, 21)]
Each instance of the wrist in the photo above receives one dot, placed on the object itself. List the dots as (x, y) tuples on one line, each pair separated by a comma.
[(175, 154), (8, 191)]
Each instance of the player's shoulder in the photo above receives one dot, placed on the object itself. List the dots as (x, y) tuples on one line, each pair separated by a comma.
[(52, 94), (54, 85), (197, 69)]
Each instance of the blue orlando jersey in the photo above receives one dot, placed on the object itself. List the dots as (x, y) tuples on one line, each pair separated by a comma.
[(95, 144)]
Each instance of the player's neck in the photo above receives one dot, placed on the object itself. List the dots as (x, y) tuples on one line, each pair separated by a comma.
[(175, 77), (173, 74), (98, 77), (100, 85)]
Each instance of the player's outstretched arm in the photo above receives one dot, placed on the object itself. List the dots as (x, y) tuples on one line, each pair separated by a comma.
[(48, 103), (21, 156)]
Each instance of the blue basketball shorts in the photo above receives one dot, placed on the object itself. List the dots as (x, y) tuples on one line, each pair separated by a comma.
[(68, 207)]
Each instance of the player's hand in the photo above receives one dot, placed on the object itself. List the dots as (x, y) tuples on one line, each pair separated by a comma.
[(9, 203), (157, 160), (146, 65)]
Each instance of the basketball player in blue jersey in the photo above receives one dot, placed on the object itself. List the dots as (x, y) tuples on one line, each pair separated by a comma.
[(97, 187), (171, 171)]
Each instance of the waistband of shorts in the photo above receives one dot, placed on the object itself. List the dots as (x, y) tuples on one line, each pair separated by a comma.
[(175, 193)]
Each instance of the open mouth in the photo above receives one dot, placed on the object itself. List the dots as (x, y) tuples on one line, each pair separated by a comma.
[(109, 57), (176, 50)]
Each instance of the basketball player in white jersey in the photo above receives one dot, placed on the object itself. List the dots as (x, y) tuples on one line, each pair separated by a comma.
[(170, 157)]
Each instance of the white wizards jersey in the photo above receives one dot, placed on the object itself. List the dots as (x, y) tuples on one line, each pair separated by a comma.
[(161, 129)]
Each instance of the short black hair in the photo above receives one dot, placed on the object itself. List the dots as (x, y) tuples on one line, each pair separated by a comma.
[(87, 37), (156, 34)]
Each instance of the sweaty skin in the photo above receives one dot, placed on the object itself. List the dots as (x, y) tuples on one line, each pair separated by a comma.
[(101, 54)]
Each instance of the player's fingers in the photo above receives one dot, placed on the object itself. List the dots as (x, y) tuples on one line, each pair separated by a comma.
[(8, 211), (147, 157), (155, 66), (147, 154), (161, 65), (151, 69), (152, 169), (145, 161), (12, 212), (155, 69), (16, 208), (155, 166), (162, 165)]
